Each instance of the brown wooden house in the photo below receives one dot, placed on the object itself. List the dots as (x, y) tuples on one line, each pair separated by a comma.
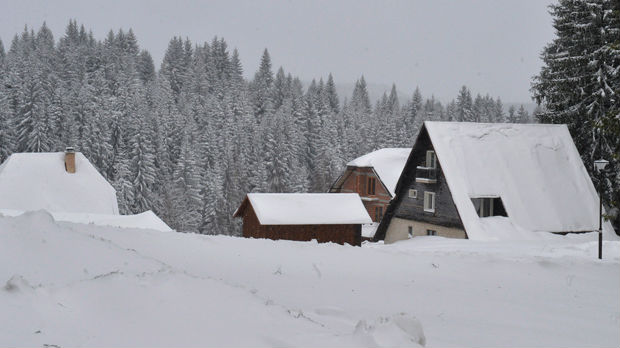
[(373, 176), (325, 217)]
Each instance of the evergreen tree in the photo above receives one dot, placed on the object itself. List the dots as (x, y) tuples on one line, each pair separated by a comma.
[(578, 83), (464, 106), (262, 88)]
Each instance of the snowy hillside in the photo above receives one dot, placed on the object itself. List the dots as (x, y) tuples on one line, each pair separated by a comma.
[(70, 284)]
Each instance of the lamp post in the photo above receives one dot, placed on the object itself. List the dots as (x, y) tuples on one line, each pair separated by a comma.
[(600, 167)]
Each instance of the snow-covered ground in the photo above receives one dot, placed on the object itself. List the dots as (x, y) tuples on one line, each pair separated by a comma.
[(71, 284)]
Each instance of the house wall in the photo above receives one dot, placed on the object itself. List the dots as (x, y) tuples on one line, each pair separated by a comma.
[(341, 234), (399, 230), (413, 208), (445, 219), (381, 198)]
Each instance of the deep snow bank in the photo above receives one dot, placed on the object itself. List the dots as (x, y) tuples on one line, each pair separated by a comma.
[(73, 284)]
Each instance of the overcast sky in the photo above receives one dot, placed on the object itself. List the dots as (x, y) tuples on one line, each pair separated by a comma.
[(493, 46)]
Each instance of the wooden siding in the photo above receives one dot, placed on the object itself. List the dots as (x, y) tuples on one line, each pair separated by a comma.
[(404, 207), (341, 234), (355, 180), (413, 208)]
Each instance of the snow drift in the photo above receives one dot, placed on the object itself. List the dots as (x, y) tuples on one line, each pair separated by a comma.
[(69, 284)]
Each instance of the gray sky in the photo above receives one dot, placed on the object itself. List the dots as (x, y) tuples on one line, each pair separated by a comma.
[(492, 46)]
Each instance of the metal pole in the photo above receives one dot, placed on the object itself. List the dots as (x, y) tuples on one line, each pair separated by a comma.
[(600, 217)]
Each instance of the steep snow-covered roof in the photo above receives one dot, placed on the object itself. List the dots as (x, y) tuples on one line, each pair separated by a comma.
[(535, 169), (32, 181), (308, 208), (388, 163)]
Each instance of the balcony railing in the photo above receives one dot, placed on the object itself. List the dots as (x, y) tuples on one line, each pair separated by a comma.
[(426, 175)]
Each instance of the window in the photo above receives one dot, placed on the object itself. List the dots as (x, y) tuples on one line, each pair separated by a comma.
[(370, 189), (358, 184), (431, 160), (431, 232), (378, 213), (429, 202), (410, 231), (413, 193), (489, 206)]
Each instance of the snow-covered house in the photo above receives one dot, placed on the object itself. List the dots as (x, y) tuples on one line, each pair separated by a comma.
[(491, 181), (68, 186), (373, 176), (56, 182), (325, 217)]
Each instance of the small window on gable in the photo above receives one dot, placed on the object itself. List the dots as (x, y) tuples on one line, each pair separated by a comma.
[(429, 202), (413, 193), (431, 160), (370, 188), (489, 206)]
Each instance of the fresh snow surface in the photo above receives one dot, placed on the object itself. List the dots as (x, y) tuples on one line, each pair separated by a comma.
[(32, 181), (147, 219), (309, 208), (388, 163), (534, 168), (68, 284)]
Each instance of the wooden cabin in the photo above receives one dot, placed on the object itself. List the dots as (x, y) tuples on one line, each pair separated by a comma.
[(335, 218), (491, 181), (373, 176)]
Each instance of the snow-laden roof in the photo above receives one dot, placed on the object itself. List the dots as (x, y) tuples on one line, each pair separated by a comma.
[(535, 169), (308, 208), (388, 163), (33, 181)]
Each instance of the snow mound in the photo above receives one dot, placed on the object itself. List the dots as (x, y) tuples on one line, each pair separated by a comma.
[(145, 220), (16, 284), (388, 164), (32, 181), (400, 330)]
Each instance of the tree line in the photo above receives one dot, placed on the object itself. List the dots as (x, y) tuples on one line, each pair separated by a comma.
[(190, 139)]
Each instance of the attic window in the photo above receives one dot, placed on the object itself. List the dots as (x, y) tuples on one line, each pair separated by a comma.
[(370, 188), (431, 160), (489, 206)]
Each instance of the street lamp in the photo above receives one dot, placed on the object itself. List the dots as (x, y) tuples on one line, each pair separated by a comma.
[(600, 167)]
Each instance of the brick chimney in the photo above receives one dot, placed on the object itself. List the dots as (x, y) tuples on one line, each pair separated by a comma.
[(70, 160)]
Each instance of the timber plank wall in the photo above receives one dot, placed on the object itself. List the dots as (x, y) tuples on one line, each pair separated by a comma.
[(381, 198), (409, 208), (341, 234)]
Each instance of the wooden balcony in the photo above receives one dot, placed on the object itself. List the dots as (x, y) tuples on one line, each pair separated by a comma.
[(426, 175)]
